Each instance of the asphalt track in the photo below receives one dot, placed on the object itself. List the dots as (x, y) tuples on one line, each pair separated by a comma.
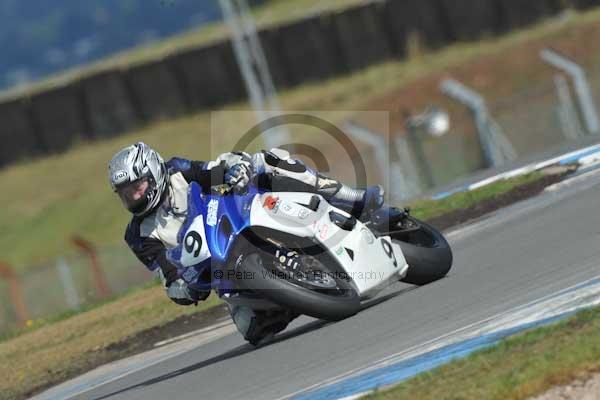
[(520, 254)]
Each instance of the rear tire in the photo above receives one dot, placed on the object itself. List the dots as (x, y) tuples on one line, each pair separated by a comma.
[(426, 251), (318, 304)]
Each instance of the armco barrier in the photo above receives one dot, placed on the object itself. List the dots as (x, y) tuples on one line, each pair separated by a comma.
[(520, 13), (156, 90), (470, 20), (584, 4), (109, 103), (310, 50), (423, 18), (61, 116), (114, 100), (272, 48), (210, 75), (17, 134), (367, 45)]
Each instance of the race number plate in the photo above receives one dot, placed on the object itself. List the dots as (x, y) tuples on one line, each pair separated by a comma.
[(194, 247)]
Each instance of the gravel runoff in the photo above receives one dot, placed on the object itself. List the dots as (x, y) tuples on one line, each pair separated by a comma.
[(580, 389)]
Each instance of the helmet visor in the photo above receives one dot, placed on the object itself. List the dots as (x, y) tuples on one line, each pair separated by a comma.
[(134, 195)]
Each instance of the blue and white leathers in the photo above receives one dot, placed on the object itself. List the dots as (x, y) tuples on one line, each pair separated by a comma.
[(207, 240)]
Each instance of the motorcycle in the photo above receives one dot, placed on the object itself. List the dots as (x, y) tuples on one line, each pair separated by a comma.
[(296, 251)]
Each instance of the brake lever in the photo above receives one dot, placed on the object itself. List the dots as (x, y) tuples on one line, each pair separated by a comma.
[(221, 190), (228, 188)]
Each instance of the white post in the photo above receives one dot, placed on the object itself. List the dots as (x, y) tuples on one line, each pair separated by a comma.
[(66, 278), (582, 87), (253, 66), (391, 171), (496, 147), (566, 109), (407, 168)]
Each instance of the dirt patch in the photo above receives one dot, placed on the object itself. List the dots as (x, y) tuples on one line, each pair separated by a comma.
[(147, 339), (580, 389), (487, 206), (136, 344)]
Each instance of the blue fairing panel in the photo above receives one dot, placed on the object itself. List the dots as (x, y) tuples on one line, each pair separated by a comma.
[(225, 217), (232, 216)]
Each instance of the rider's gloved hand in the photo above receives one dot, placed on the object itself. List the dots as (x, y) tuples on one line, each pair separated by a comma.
[(238, 175), (182, 294), (178, 289)]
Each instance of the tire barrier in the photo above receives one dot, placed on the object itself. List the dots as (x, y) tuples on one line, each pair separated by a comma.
[(114, 100)]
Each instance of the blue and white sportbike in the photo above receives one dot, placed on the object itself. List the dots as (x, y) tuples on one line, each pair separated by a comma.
[(296, 251)]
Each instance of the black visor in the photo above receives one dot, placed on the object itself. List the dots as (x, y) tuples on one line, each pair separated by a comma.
[(136, 195)]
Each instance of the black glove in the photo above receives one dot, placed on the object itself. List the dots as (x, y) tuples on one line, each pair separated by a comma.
[(238, 175)]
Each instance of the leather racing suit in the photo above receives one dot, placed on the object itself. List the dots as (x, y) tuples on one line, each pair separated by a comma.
[(151, 236)]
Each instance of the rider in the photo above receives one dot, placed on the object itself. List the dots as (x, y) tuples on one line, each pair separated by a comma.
[(155, 192)]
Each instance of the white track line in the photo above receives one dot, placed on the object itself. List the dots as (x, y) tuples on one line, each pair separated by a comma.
[(119, 369), (536, 310)]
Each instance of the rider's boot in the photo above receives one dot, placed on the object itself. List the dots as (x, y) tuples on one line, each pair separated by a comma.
[(360, 203), (259, 326)]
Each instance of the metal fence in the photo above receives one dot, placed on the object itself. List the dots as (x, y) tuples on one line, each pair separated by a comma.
[(542, 117), (69, 283), (530, 119)]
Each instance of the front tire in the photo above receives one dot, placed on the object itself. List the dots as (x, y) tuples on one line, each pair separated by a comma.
[(326, 304), (426, 251)]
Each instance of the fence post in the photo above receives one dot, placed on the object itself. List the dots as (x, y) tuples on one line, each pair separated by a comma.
[(391, 170), (408, 167), (566, 109), (496, 147), (582, 87), (89, 250), (16, 293), (68, 283), (254, 66)]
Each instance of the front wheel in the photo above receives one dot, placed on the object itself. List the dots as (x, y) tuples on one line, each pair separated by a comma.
[(425, 249), (320, 292)]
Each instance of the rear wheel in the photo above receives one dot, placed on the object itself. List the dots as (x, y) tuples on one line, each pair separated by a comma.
[(317, 288), (427, 252)]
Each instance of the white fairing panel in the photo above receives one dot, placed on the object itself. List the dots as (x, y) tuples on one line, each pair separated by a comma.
[(371, 262), (194, 248)]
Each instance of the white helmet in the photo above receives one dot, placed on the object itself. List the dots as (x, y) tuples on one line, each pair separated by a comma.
[(138, 174)]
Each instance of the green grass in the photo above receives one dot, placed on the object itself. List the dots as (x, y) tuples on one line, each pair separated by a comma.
[(51, 351), (48, 200), (427, 209), (35, 324), (518, 368)]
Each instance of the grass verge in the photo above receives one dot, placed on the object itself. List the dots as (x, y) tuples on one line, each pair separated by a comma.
[(54, 350), (429, 209), (517, 368)]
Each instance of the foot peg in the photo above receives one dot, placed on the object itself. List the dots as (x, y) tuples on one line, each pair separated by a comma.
[(387, 217)]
